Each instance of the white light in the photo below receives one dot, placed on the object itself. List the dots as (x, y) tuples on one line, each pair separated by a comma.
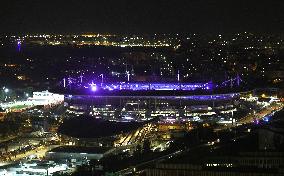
[(94, 88), (6, 90)]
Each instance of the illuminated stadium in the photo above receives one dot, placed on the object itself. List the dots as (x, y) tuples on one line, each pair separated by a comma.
[(194, 90), (152, 86), (142, 101)]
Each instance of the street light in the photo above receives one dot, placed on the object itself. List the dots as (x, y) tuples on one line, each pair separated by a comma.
[(6, 90)]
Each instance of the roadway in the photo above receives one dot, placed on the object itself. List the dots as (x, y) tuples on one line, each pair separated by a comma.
[(261, 114), (141, 166)]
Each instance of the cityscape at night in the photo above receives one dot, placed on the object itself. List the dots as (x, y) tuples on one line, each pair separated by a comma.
[(183, 88)]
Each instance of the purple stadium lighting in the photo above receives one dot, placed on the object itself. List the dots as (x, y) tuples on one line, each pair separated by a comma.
[(81, 78), (128, 76), (102, 76), (93, 87), (64, 82), (156, 86), (139, 86), (19, 45)]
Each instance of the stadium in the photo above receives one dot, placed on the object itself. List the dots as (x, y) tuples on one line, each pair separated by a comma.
[(142, 101)]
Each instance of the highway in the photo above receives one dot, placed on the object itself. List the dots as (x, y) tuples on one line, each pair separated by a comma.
[(259, 115)]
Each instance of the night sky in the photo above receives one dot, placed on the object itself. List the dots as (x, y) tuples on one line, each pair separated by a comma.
[(136, 16)]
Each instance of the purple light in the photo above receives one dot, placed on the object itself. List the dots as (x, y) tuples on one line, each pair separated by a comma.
[(19, 45), (94, 87), (156, 86), (256, 121), (139, 86)]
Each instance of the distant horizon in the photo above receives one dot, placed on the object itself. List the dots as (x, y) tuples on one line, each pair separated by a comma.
[(140, 33)]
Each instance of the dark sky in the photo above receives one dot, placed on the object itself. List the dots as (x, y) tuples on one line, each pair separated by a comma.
[(137, 16)]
